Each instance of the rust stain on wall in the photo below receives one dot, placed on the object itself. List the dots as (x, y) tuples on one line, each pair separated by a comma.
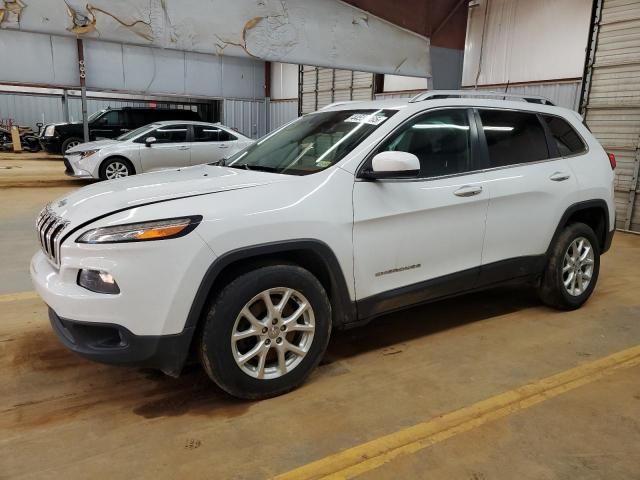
[(11, 11), (83, 24)]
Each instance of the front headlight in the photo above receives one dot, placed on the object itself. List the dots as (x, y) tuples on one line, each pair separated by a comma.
[(88, 153), (141, 232), (50, 130)]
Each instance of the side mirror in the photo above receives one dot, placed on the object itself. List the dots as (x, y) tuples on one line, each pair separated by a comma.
[(393, 165), (150, 141)]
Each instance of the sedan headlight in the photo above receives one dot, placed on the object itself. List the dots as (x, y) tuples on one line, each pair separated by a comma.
[(141, 232), (50, 131), (88, 153)]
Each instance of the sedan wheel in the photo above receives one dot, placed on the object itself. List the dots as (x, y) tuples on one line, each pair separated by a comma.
[(116, 170)]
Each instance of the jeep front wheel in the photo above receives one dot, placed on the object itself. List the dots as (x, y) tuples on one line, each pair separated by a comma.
[(266, 331)]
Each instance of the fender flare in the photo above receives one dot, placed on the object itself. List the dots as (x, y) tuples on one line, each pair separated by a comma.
[(576, 207), (343, 306)]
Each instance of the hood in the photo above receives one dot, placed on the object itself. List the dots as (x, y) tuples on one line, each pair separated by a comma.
[(107, 197), (93, 145)]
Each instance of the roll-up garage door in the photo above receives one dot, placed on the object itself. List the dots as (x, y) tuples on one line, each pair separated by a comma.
[(318, 87), (611, 101)]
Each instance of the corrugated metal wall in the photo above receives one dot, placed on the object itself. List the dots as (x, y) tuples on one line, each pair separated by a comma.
[(611, 104), (564, 94), (321, 86), (281, 112), (246, 116), (28, 110)]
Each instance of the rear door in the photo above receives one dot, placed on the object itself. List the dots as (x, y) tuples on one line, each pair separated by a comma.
[(531, 187), (170, 150), (211, 144)]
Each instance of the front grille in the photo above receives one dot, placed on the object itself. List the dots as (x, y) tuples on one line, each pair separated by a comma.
[(49, 227)]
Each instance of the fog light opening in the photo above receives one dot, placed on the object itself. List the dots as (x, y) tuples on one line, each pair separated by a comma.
[(98, 281)]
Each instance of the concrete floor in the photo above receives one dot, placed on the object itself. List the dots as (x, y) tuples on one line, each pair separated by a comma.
[(62, 416)]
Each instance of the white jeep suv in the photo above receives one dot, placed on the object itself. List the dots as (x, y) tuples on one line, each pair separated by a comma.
[(343, 215)]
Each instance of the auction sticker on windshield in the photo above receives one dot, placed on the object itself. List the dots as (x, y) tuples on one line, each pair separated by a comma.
[(370, 118)]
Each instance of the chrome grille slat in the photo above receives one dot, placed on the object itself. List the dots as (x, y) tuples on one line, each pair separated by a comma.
[(49, 227)]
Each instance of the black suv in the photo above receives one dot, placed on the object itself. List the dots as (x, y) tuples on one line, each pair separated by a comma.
[(109, 123)]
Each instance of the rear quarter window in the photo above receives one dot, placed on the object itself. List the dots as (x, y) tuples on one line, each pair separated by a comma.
[(564, 135)]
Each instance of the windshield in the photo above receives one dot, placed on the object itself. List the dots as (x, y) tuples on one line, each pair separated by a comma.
[(311, 143), (136, 132), (95, 115)]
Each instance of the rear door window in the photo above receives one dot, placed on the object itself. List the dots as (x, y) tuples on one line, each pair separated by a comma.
[(207, 133), (513, 137), (565, 137)]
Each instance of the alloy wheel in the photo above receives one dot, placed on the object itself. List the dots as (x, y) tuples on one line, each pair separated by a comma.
[(116, 170), (577, 267), (273, 333)]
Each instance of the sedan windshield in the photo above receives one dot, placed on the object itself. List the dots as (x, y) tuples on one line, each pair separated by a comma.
[(311, 143), (135, 133)]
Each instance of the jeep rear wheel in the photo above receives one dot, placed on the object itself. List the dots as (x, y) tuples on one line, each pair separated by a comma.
[(572, 269), (266, 332)]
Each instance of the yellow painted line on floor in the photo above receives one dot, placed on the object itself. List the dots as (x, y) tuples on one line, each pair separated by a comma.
[(15, 297), (368, 456)]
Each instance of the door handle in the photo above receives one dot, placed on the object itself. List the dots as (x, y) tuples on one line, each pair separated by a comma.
[(183, 148), (559, 177), (468, 191), (223, 146)]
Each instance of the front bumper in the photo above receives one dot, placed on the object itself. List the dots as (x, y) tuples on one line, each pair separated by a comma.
[(51, 144), (74, 171), (114, 344)]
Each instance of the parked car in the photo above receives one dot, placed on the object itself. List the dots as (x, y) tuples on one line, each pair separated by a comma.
[(108, 123), (153, 147), (336, 218)]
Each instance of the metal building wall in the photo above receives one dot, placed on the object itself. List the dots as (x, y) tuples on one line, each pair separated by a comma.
[(321, 86), (564, 94), (246, 116), (611, 103), (281, 112), (29, 110)]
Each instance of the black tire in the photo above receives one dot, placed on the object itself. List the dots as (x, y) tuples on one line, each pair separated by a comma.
[(112, 160), (71, 140), (215, 347), (552, 291)]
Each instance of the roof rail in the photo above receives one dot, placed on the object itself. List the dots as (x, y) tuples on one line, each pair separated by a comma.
[(441, 94)]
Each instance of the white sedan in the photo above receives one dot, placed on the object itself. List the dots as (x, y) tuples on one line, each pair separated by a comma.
[(157, 146)]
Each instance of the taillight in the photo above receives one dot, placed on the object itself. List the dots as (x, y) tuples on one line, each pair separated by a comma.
[(612, 160)]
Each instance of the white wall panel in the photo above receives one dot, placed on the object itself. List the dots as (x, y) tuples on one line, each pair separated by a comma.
[(284, 81), (525, 40), (49, 60)]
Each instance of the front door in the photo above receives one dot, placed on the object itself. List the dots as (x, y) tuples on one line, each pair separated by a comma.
[(170, 150), (108, 125), (420, 238)]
